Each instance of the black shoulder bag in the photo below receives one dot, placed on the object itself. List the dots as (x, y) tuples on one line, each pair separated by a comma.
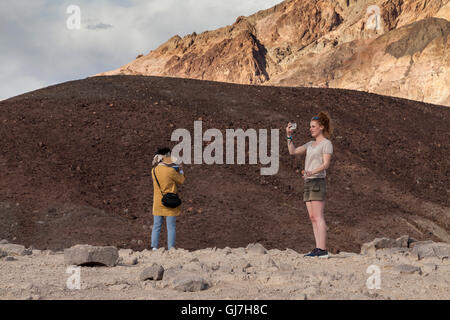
[(169, 200)]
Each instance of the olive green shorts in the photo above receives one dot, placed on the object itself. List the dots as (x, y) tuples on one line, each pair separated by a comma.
[(315, 189)]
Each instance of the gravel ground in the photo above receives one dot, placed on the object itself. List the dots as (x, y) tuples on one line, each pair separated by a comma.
[(237, 273)]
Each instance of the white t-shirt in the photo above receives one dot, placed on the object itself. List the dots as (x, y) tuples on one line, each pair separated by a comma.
[(314, 156)]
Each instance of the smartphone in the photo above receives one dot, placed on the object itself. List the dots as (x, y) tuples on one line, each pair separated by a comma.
[(293, 126)]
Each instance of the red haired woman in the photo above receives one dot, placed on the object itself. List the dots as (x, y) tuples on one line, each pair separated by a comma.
[(318, 155)]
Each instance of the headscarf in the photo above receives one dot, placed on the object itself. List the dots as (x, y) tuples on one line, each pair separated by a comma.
[(159, 157)]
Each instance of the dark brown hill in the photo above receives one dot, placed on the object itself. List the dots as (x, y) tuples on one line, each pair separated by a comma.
[(76, 158)]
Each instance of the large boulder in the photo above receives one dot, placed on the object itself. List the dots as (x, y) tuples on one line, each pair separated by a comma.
[(87, 255), (15, 249), (439, 250)]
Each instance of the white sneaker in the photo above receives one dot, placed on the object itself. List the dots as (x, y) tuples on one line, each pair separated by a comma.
[(154, 249)]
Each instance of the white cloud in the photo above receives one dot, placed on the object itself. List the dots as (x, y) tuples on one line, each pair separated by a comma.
[(37, 48)]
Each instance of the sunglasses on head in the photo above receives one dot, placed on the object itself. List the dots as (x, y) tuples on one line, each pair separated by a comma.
[(315, 118)]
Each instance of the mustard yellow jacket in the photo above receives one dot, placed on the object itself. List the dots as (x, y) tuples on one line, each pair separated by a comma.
[(168, 179)]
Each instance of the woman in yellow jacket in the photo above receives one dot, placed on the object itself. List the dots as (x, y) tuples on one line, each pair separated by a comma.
[(168, 175)]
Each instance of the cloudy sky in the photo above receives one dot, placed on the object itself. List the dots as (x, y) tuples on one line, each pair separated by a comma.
[(39, 46)]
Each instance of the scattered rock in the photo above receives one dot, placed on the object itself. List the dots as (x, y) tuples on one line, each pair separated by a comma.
[(9, 258), (171, 273), (195, 259), (193, 266), (439, 250), (87, 255), (256, 248), (240, 265), (407, 269), (131, 261), (190, 282), (378, 243), (405, 241), (115, 281), (391, 252), (285, 275), (214, 266), (226, 268), (155, 272), (4, 241), (15, 249), (3, 253), (386, 243)]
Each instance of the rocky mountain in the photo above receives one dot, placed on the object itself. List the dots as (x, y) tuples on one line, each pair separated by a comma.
[(391, 47)]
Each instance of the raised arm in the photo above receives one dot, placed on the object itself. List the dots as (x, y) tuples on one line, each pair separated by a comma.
[(291, 147)]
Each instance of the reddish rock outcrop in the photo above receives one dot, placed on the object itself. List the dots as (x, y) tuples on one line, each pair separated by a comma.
[(391, 47)]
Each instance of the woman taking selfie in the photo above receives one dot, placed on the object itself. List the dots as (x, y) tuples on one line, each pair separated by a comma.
[(318, 155)]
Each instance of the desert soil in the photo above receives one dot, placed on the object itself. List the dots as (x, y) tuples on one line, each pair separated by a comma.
[(234, 273)]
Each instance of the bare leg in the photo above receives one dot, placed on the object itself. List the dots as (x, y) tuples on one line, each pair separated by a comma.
[(312, 219), (319, 220)]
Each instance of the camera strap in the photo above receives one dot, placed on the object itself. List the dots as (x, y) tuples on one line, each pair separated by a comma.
[(154, 173)]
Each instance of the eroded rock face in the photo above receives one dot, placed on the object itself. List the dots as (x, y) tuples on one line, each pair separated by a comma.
[(398, 48)]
